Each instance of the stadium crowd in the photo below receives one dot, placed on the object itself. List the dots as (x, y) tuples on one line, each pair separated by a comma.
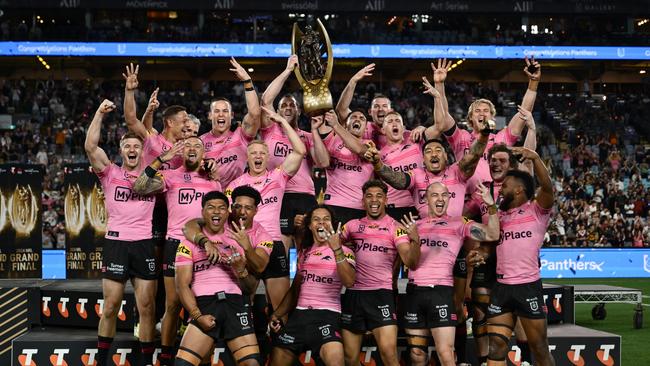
[(600, 165), (114, 25)]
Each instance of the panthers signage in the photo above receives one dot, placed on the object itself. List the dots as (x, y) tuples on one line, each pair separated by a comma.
[(21, 186), (86, 218)]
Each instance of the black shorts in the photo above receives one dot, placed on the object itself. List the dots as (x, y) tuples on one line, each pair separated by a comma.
[(159, 221), (344, 214), (525, 300), (309, 329), (485, 275), (278, 262), (122, 260), (231, 314), (294, 204), (364, 310), (460, 267), (398, 213), (169, 257), (428, 307)]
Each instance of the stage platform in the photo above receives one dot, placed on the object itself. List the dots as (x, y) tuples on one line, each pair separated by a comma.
[(58, 322)]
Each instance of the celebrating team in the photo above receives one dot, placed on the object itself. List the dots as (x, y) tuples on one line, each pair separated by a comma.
[(218, 212)]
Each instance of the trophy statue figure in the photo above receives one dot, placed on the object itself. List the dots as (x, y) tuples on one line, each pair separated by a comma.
[(312, 74)]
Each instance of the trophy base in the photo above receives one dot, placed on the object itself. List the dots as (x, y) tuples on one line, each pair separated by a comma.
[(317, 102)]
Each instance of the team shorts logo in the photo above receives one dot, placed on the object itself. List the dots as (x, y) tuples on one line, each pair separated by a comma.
[(385, 312), (243, 319), (442, 313), (534, 306), (325, 330)]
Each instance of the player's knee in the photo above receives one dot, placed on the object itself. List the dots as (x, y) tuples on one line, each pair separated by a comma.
[(498, 348), (172, 307), (388, 354), (445, 353), (418, 354), (111, 307)]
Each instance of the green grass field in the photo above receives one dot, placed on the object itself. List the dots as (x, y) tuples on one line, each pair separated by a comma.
[(635, 342)]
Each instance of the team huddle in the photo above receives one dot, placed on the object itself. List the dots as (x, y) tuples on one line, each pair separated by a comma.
[(459, 211)]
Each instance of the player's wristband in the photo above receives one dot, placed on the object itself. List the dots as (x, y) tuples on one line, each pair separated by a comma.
[(195, 314), (160, 160), (492, 210), (149, 171), (202, 241), (249, 88)]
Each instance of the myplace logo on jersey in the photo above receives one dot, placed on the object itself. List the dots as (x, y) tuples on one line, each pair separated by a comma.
[(281, 149), (595, 263), (188, 195)]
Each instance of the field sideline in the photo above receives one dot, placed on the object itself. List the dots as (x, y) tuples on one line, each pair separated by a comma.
[(634, 348)]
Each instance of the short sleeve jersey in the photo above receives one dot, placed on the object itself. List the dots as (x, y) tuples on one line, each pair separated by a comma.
[(440, 241), (375, 245), (522, 234), (228, 151), (321, 285), (280, 148), (129, 214)]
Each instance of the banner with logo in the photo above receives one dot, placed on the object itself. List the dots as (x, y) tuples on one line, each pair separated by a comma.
[(595, 263), (21, 187), (86, 218)]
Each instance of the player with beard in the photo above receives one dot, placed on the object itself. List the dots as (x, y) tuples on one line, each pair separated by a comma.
[(347, 172), (482, 110), (271, 185), (183, 188), (483, 274), (524, 217), (379, 108), (227, 147), (128, 246), (429, 301), (299, 195), (213, 292), (369, 305), (314, 300)]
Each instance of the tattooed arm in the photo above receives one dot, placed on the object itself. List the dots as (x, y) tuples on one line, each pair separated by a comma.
[(396, 179), (492, 230), (470, 160)]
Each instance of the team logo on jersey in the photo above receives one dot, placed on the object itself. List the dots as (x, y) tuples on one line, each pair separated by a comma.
[(187, 177), (361, 228), (441, 223), (325, 258)]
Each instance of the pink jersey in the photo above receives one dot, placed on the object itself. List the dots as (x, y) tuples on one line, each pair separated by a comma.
[(154, 146), (183, 193), (271, 187), (228, 151), (452, 177), (280, 147), (402, 157), (522, 234), (374, 133), (129, 214), (440, 241), (461, 141), (321, 285), (208, 278), (346, 175), (375, 245)]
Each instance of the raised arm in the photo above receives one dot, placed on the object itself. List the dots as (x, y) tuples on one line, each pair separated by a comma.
[(545, 195), (275, 87), (343, 106), (292, 162), (435, 130), (150, 180), (351, 142), (439, 77), (147, 117), (96, 155), (251, 121), (318, 152), (534, 72), (470, 160), (344, 266), (531, 140), (131, 84), (491, 231)]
